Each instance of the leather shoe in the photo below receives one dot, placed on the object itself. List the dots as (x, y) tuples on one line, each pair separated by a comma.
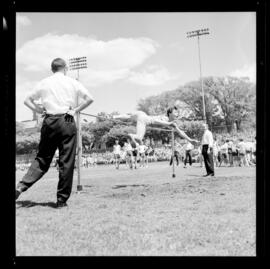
[(60, 204), (210, 174)]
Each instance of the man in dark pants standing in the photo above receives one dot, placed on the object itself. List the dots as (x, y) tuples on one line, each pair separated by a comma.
[(58, 94), (207, 151), (188, 148)]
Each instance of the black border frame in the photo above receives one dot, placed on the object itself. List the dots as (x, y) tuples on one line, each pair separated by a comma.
[(8, 79)]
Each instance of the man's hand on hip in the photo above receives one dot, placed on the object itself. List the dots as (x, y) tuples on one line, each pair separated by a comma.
[(71, 112), (39, 109)]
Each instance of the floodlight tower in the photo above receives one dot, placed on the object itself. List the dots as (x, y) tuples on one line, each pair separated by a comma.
[(198, 33), (77, 64)]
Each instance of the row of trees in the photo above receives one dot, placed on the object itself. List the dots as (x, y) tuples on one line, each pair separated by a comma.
[(227, 101)]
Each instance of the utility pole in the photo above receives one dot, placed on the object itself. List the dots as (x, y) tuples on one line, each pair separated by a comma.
[(77, 64), (198, 33)]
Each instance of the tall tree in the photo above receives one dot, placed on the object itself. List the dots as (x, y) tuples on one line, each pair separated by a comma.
[(236, 98)]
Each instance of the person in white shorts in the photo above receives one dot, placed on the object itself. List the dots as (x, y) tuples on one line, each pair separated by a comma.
[(215, 152), (128, 153), (116, 153), (242, 153), (142, 149), (142, 120)]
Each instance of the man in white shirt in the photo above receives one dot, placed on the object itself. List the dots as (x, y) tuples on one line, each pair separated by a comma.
[(58, 94), (207, 151)]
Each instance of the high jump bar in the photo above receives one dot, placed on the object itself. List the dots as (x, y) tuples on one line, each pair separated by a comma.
[(123, 122)]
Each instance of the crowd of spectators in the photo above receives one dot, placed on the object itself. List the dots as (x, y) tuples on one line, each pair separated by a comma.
[(229, 150)]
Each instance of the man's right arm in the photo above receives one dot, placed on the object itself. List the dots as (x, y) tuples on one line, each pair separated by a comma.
[(29, 102)]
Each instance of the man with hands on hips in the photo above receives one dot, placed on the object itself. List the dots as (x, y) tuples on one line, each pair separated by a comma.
[(58, 94), (207, 151)]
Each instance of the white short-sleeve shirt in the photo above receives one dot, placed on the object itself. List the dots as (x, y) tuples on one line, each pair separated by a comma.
[(207, 138), (58, 93), (116, 149)]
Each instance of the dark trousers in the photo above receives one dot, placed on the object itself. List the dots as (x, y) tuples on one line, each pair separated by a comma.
[(208, 159), (188, 156), (58, 131), (176, 156)]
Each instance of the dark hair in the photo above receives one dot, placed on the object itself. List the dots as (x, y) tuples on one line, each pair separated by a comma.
[(170, 110), (58, 64)]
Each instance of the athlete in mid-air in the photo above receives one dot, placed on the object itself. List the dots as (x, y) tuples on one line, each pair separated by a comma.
[(142, 120)]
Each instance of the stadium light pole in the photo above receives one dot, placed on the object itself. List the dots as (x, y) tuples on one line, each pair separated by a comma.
[(77, 64), (198, 33)]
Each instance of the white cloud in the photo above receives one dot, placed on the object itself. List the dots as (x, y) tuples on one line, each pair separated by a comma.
[(107, 60), (23, 87), (23, 20), (248, 70), (152, 76)]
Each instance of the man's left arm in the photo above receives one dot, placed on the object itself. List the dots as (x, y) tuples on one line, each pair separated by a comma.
[(87, 100), (211, 142)]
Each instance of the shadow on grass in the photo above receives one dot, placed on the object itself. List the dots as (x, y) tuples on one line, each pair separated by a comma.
[(133, 185), (28, 203), (201, 176)]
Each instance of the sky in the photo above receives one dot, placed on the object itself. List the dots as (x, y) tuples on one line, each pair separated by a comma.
[(131, 56)]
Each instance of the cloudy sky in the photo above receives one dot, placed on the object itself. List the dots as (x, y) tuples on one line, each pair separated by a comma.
[(132, 55)]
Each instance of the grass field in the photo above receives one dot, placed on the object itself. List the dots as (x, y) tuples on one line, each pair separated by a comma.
[(142, 212)]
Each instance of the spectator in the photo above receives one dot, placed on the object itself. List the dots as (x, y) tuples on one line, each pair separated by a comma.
[(224, 153), (188, 149), (207, 151), (230, 151), (242, 153)]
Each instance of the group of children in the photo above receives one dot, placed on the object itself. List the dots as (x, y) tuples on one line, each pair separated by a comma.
[(233, 152), (132, 153)]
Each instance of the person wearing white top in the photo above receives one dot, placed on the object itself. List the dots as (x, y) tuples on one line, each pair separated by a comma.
[(142, 120), (242, 153), (188, 148), (224, 156), (128, 153), (135, 153), (117, 153), (215, 152), (207, 151), (142, 149), (58, 95), (230, 152)]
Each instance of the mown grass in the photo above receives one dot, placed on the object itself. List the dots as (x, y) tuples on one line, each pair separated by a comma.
[(143, 212)]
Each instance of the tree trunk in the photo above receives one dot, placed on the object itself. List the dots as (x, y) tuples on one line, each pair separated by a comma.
[(238, 125), (229, 126)]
